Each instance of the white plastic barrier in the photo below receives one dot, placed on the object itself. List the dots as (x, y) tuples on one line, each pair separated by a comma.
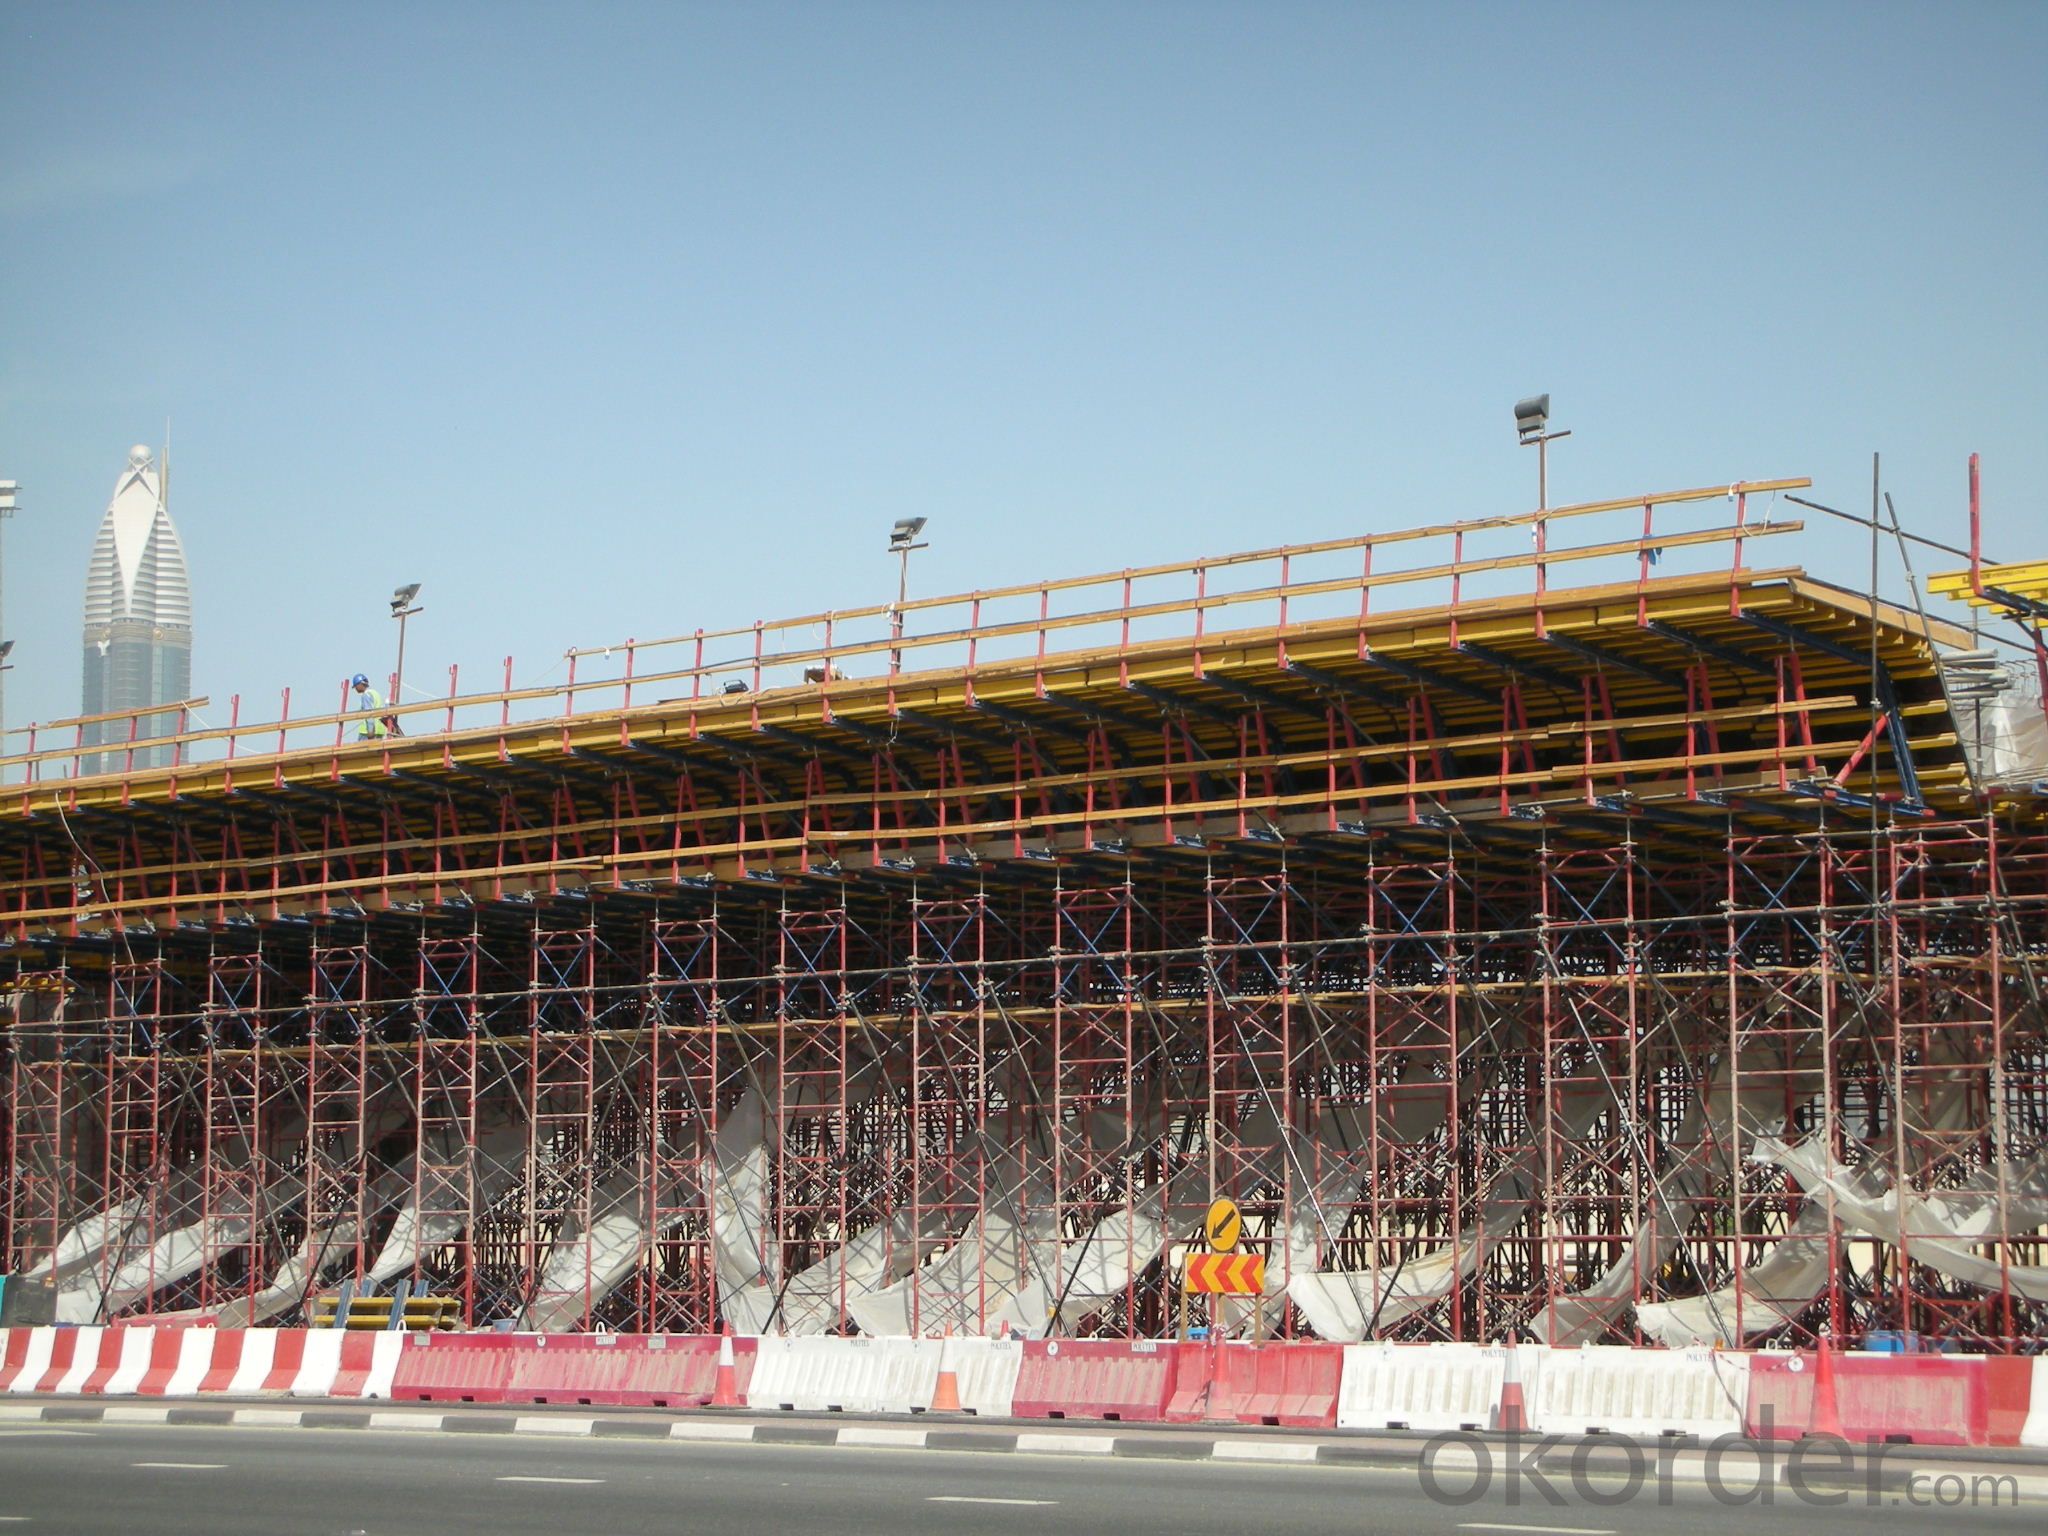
[(850, 1375), (986, 1372), (1612, 1389), (1427, 1386)]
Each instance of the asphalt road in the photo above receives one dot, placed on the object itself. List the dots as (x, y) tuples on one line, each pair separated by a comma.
[(205, 1481)]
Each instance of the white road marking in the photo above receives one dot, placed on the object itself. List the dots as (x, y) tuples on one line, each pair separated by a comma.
[(684, 1429), (968, 1498), (132, 1413), (549, 1424), (406, 1420), (182, 1466), (1263, 1450), (1548, 1530), (262, 1417), (580, 1481), (1065, 1445), (896, 1437)]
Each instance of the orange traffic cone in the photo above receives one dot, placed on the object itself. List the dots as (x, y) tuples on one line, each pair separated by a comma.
[(1827, 1413), (946, 1395), (726, 1392), (1512, 1416)]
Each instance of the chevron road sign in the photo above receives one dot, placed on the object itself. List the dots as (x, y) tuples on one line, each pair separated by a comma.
[(1226, 1274)]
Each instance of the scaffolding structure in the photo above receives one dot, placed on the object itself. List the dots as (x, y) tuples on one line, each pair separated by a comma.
[(1631, 961)]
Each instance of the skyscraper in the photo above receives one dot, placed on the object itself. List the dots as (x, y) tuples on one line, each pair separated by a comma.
[(138, 618)]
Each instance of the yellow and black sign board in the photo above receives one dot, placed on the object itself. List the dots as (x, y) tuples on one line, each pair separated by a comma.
[(1223, 1226)]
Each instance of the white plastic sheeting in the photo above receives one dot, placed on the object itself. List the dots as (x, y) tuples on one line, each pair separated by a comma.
[(1774, 1291), (749, 1259), (496, 1161), (1341, 1305), (1947, 1230), (974, 1287), (588, 1263)]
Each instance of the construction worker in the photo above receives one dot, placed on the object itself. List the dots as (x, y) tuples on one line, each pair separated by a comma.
[(369, 698)]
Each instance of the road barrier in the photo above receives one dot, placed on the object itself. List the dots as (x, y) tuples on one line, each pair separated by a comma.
[(1131, 1383), (14, 1348), (1921, 1399), (2034, 1427), (131, 1349), (1427, 1386), (1294, 1384), (365, 1367), (1930, 1399), (845, 1375), (196, 1350), (1615, 1390), (452, 1368), (985, 1374)]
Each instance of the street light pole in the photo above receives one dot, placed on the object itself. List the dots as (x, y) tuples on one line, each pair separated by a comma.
[(402, 608), (902, 540), (8, 490), (1532, 422)]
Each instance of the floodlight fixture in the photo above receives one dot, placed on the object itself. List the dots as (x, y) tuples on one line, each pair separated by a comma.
[(905, 532), (6, 649), (404, 595), (1531, 415)]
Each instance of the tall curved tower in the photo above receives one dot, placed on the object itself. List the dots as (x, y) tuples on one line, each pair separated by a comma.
[(138, 618)]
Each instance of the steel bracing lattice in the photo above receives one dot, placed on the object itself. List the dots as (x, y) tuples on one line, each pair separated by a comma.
[(1518, 963)]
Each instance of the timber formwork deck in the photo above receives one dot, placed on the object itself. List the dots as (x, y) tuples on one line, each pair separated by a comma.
[(1502, 954)]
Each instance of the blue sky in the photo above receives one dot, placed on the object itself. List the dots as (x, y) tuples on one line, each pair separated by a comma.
[(612, 319)]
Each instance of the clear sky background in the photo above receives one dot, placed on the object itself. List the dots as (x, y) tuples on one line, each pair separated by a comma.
[(608, 319)]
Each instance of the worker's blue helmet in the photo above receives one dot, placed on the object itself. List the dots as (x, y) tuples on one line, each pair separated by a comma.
[(359, 681)]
